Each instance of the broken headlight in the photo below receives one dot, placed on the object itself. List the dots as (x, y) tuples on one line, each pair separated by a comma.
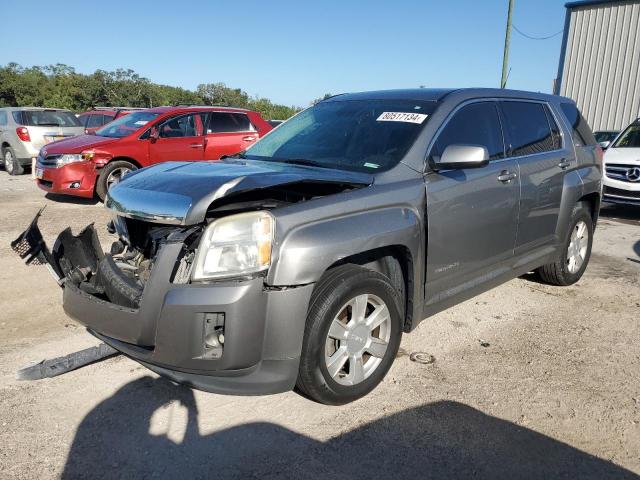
[(234, 246)]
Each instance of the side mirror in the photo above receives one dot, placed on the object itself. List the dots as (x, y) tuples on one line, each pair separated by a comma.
[(463, 156), (154, 134), (604, 145)]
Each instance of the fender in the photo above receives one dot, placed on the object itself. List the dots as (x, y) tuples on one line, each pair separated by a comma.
[(572, 191)]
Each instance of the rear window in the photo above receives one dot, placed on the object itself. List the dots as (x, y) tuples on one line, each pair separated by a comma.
[(630, 138), (94, 121), (528, 127), (220, 122), (581, 132), (49, 118), (3, 118)]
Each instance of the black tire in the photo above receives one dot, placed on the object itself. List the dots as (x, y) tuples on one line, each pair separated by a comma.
[(101, 184), (557, 273), (333, 291), (10, 162)]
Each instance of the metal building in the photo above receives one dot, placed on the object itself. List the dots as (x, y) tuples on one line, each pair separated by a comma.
[(600, 61)]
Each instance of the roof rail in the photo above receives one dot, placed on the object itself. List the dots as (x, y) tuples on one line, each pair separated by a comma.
[(117, 108)]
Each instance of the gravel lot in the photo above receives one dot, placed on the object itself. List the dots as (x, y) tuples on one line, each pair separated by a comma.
[(530, 381)]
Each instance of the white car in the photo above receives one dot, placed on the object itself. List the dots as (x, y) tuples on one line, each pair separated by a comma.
[(622, 167)]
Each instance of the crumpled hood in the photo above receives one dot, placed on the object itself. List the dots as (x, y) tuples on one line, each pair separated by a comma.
[(76, 144), (181, 192)]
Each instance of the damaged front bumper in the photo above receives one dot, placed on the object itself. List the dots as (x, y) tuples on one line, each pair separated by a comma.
[(169, 326)]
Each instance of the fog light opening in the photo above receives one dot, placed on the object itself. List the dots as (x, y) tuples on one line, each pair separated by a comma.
[(74, 185), (213, 335)]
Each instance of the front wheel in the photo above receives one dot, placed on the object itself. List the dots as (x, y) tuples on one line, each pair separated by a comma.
[(352, 335), (575, 253), (111, 175)]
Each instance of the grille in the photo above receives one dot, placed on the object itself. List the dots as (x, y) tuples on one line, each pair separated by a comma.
[(618, 192), (619, 172), (48, 161)]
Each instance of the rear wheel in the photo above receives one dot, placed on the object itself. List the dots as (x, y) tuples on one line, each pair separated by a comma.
[(11, 163), (111, 175), (575, 253), (351, 337)]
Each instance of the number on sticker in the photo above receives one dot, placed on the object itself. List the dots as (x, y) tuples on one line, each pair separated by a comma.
[(402, 117)]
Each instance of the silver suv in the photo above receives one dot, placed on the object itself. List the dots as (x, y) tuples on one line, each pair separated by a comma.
[(302, 260), (25, 130)]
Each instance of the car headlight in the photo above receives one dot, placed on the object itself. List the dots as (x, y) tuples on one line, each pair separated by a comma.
[(68, 158), (234, 246)]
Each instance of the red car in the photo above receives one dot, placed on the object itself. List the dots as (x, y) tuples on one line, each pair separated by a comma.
[(86, 164), (95, 119)]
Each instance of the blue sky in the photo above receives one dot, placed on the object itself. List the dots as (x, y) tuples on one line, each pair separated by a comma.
[(290, 51)]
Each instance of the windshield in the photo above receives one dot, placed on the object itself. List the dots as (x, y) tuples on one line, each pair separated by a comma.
[(605, 136), (49, 118), (630, 138), (358, 135), (126, 125)]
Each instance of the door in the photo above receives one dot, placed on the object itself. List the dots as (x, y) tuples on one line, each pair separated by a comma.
[(472, 213), (228, 133), (180, 138), (533, 139)]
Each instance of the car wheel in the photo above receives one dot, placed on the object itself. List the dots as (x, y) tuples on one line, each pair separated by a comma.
[(11, 163), (575, 252), (352, 335), (111, 175)]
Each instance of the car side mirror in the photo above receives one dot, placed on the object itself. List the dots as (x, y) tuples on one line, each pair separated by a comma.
[(462, 156), (604, 145), (154, 134)]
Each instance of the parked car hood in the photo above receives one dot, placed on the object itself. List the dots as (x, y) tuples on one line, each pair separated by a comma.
[(626, 156), (181, 192), (76, 144)]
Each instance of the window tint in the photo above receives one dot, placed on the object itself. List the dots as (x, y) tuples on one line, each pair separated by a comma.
[(184, 126), (555, 130), (581, 132), (49, 118), (94, 121), (83, 120), (3, 118), (475, 124), (17, 117), (106, 119), (528, 128), (229, 122)]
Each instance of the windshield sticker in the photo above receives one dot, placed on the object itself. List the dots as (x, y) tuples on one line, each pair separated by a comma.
[(402, 117), (371, 165), (141, 122)]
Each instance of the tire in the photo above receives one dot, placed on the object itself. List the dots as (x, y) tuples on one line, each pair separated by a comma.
[(334, 298), (561, 272), (107, 173), (11, 163)]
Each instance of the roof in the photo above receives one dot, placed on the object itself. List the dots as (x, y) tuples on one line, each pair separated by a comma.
[(196, 108), (438, 94), (589, 3)]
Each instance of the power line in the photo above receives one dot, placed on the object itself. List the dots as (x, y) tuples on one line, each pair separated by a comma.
[(531, 37)]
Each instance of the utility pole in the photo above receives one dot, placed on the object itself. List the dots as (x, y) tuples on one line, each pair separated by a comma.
[(505, 56)]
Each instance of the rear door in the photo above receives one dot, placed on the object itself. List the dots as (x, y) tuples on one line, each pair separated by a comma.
[(228, 133), (180, 138), (533, 138), (472, 214)]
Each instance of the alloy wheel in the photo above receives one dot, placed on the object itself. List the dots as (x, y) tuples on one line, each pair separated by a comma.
[(115, 176), (8, 161), (578, 244)]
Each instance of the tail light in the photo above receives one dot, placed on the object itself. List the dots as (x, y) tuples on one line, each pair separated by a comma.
[(23, 134), (600, 153)]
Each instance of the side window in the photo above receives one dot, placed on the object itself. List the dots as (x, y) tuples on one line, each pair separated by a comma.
[(184, 126), (83, 120), (475, 124), (3, 118), (222, 122), (555, 130), (528, 128), (581, 132), (106, 119), (94, 121)]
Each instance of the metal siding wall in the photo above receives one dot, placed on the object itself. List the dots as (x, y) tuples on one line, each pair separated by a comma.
[(602, 63)]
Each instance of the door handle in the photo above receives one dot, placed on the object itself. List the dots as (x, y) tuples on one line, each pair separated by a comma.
[(196, 145), (564, 164), (250, 138), (506, 176)]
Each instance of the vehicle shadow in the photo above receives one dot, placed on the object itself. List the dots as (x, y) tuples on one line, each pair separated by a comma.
[(626, 213), (441, 440), (71, 199)]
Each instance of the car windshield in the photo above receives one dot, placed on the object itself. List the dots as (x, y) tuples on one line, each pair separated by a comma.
[(358, 135), (49, 118), (605, 136), (126, 125), (630, 138)]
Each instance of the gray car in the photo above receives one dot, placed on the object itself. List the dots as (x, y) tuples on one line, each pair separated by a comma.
[(25, 130), (301, 261)]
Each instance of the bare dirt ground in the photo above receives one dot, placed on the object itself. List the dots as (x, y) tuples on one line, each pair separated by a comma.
[(530, 381)]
